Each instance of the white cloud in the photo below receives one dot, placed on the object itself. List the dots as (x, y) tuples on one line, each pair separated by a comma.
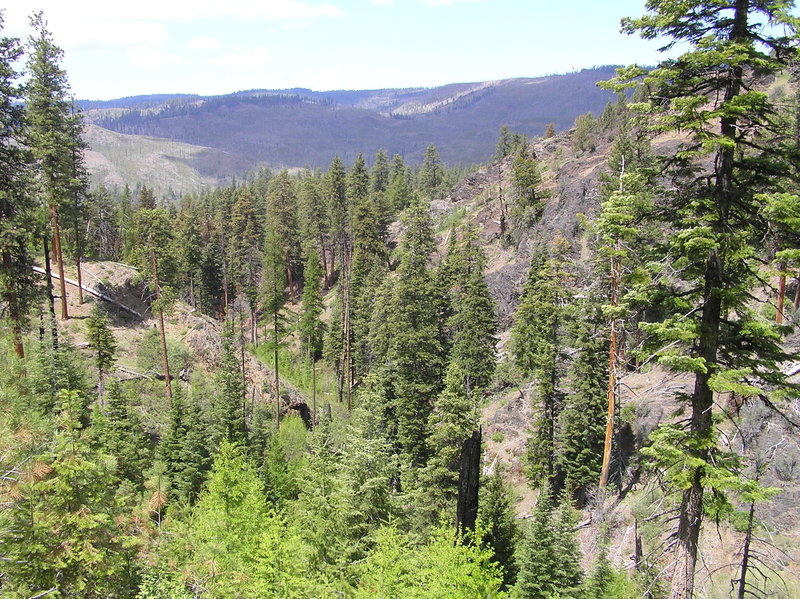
[(204, 43), (254, 57), (153, 59), (59, 12)]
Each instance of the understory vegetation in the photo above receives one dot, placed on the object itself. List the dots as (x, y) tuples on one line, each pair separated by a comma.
[(328, 439)]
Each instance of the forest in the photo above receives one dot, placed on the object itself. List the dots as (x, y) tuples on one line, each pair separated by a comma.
[(291, 386)]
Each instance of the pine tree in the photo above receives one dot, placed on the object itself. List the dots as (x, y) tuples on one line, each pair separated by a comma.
[(497, 513), (122, 437), (153, 232), (338, 208), (581, 426), (380, 172), (63, 528), (716, 222), (282, 219), (229, 400), (17, 206), (451, 422), (311, 328), (535, 336), (431, 174), (415, 352), (549, 559), (528, 196), (314, 221), (273, 289), (49, 134), (472, 325), (102, 340)]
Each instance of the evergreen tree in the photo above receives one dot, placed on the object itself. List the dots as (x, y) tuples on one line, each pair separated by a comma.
[(244, 249), (496, 511), (528, 195), (314, 224), (311, 328), (153, 232), (121, 436), (549, 562), (49, 134), (273, 289), (472, 325), (716, 222), (102, 340), (229, 400), (380, 172), (17, 205), (415, 351), (338, 208), (282, 219), (581, 426), (535, 336), (63, 527), (431, 175), (451, 422)]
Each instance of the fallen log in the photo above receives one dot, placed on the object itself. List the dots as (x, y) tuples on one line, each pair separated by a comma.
[(97, 294)]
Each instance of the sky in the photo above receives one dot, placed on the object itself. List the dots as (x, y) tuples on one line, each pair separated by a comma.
[(114, 49)]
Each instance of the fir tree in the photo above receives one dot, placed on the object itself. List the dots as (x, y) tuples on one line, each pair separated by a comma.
[(715, 220), (273, 289), (121, 436), (229, 400), (311, 328), (431, 174), (415, 350), (49, 134), (102, 341), (17, 206), (496, 512), (282, 218)]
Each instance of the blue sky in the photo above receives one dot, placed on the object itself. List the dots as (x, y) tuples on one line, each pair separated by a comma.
[(114, 49)]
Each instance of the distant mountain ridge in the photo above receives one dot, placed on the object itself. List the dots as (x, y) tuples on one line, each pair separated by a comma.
[(299, 127)]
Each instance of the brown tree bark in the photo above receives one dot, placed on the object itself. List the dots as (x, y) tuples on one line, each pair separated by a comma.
[(57, 255), (162, 333)]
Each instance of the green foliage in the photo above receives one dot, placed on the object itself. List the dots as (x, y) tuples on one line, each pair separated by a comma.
[(148, 353), (102, 340), (63, 527), (310, 327), (528, 196), (472, 323), (440, 569), (431, 174), (496, 512), (120, 435), (549, 559), (584, 134)]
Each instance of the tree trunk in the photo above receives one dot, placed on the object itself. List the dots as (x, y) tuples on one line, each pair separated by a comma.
[(277, 377), (59, 259), (50, 299), (797, 294), (469, 482), (162, 333), (324, 261), (702, 399), (746, 554), (781, 295), (612, 374)]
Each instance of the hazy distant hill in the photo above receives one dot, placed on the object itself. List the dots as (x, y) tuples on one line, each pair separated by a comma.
[(300, 127)]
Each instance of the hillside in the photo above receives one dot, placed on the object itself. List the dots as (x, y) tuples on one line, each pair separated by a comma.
[(298, 127)]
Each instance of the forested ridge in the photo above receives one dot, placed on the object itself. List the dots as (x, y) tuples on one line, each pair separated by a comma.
[(569, 373)]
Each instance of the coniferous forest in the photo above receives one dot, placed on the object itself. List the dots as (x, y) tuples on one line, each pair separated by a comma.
[(383, 379)]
